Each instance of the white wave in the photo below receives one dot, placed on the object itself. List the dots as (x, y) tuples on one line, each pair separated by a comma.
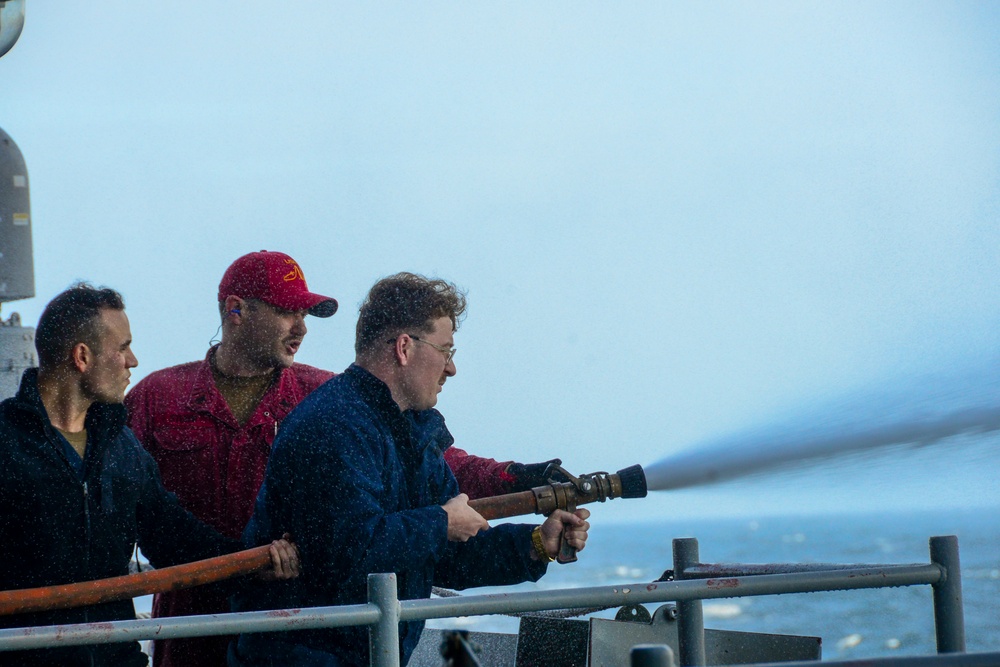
[(632, 573), (721, 610), (850, 641)]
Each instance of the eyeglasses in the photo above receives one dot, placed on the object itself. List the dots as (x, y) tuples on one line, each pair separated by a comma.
[(448, 352)]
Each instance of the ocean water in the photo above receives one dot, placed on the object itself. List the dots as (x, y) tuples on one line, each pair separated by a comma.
[(852, 624)]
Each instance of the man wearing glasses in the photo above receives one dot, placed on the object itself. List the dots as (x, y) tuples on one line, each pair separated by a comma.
[(210, 424), (357, 476)]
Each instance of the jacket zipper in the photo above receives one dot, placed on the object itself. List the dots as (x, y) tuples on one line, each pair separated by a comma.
[(86, 557), (86, 541), (86, 523)]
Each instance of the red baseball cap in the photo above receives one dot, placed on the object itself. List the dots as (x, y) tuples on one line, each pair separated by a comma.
[(275, 278)]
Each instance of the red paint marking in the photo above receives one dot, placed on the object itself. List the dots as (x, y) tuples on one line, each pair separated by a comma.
[(723, 583), (651, 587), (284, 613)]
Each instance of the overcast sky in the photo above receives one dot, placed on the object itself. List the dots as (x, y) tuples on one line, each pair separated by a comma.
[(673, 220)]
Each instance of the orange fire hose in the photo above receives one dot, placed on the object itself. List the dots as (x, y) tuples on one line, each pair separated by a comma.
[(133, 585)]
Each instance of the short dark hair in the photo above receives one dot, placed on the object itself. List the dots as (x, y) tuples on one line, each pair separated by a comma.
[(405, 302), (71, 318)]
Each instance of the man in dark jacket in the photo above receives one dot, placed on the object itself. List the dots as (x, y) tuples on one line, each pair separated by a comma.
[(210, 424), (77, 490), (357, 473)]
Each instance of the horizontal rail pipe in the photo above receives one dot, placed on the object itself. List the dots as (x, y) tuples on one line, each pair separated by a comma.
[(18, 639), (712, 570), (670, 591), (472, 605)]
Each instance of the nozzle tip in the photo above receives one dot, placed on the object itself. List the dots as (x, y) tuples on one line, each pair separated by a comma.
[(633, 482)]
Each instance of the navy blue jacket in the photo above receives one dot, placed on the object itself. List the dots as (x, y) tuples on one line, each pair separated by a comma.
[(360, 484), (58, 527)]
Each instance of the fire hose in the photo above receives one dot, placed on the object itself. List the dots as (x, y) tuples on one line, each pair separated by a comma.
[(566, 495), (129, 586)]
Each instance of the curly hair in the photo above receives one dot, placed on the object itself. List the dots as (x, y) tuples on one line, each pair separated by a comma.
[(405, 302), (73, 317)]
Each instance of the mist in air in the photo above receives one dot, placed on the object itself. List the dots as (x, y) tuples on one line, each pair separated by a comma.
[(898, 428)]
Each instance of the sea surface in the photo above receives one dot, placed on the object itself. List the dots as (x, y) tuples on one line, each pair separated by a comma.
[(852, 624)]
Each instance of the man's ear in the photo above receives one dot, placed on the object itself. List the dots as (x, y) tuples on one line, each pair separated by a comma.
[(82, 356), (235, 310), (403, 349)]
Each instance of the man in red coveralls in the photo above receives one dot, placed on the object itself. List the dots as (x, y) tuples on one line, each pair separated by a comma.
[(210, 424)]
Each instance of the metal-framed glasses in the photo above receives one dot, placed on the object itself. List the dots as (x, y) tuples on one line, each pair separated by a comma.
[(448, 352)]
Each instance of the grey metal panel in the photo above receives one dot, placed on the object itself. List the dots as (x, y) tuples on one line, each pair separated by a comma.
[(495, 649), (11, 24), (17, 352), (552, 642), (727, 647), (610, 642), (17, 269)]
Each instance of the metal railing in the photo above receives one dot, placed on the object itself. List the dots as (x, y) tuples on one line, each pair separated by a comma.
[(693, 582), (943, 574)]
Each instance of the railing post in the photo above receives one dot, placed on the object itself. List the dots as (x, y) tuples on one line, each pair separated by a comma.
[(652, 655), (690, 621), (949, 615), (384, 635)]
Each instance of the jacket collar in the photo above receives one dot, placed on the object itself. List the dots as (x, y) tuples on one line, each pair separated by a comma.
[(377, 395), (28, 399), (429, 427), (422, 428), (205, 396), (103, 419), (374, 392)]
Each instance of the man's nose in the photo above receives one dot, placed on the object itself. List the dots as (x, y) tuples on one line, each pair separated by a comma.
[(450, 369), (130, 360), (299, 326)]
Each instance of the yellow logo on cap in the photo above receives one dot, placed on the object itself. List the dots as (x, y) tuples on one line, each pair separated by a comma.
[(295, 273)]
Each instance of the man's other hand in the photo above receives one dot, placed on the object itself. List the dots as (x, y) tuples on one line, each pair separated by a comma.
[(572, 528), (284, 560), (463, 521), (526, 476)]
